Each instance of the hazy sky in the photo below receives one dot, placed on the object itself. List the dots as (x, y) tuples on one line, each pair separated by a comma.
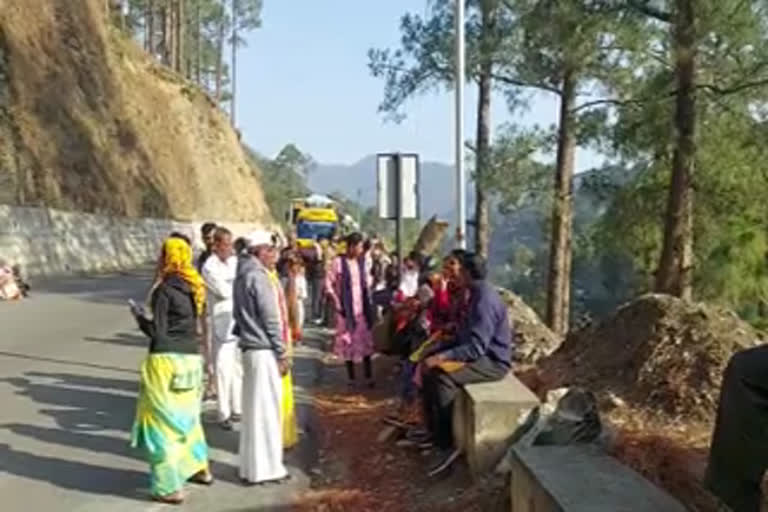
[(304, 78)]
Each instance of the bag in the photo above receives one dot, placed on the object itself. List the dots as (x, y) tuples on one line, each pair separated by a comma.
[(383, 334), (186, 381), (575, 420)]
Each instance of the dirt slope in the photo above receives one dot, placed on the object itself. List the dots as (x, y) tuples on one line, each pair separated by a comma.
[(89, 122), (658, 353)]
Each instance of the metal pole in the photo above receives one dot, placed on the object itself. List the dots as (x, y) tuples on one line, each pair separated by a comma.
[(399, 213), (461, 190)]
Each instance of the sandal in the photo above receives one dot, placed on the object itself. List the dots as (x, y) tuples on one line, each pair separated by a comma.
[(203, 477), (175, 498)]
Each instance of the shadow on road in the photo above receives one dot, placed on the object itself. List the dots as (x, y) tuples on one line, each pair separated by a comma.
[(69, 474), (82, 406), (114, 288), (122, 338), (91, 409), (16, 355)]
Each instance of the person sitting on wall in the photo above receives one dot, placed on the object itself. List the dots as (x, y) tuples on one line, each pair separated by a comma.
[(481, 351), (8, 287)]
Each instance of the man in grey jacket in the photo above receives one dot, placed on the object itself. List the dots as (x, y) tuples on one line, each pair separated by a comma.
[(258, 325)]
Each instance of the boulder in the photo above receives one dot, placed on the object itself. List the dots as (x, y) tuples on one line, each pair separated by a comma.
[(431, 236), (533, 339)]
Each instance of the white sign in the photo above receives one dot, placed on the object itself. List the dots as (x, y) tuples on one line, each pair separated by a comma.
[(388, 187)]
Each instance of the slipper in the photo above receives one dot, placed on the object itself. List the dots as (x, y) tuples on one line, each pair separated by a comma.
[(201, 478), (170, 499)]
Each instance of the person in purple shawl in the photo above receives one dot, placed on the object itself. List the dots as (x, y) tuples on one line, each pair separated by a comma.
[(347, 286)]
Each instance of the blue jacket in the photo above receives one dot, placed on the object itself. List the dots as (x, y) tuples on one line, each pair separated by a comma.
[(486, 331)]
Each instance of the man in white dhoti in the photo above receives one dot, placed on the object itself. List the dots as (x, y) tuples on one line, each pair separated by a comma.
[(263, 345), (219, 274)]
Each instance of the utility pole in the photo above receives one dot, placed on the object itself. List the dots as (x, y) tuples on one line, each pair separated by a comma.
[(461, 184)]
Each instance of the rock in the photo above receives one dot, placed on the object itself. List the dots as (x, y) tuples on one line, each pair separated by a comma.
[(388, 433), (657, 353), (533, 338), (431, 236)]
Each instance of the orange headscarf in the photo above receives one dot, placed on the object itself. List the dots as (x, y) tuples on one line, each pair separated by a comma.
[(177, 259)]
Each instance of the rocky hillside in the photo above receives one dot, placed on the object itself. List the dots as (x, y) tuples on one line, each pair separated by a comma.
[(89, 122)]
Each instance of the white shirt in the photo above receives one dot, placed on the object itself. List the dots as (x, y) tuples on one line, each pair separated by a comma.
[(219, 277), (302, 293), (409, 283)]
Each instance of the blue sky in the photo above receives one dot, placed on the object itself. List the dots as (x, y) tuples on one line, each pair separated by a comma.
[(304, 79)]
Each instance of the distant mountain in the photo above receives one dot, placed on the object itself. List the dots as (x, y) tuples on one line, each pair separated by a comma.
[(437, 184), (525, 227)]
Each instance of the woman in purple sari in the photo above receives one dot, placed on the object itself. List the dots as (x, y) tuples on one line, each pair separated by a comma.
[(347, 287)]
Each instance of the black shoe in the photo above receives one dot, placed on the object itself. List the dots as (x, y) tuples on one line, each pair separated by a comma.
[(227, 424), (396, 422), (445, 461), (418, 435), (236, 418)]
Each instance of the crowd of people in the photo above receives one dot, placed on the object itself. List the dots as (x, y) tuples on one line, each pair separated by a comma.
[(232, 317)]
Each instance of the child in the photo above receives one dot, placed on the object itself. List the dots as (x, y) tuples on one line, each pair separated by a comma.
[(295, 294), (302, 294)]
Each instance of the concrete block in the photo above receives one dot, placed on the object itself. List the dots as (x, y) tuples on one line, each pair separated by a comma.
[(581, 478), (486, 416)]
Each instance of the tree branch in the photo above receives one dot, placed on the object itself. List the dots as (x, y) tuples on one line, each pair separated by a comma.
[(716, 89), (642, 7), (521, 83), (734, 89)]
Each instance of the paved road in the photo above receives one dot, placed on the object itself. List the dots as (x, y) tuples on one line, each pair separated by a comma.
[(68, 381)]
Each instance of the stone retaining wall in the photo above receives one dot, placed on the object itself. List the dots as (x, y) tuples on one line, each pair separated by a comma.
[(54, 242)]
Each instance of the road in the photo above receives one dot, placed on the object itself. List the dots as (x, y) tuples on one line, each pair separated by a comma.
[(68, 380)]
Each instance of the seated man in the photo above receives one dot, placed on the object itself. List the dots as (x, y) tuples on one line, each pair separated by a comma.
[(9, 290), (480, 352)]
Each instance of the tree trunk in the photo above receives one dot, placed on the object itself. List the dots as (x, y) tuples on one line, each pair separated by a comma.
[(198, 44), (482, 228), (483, 142), (179, 36), (233, 107), (559, 286), (173, 34), (675, 273), (164, 36), (150, 34), (219, 61)]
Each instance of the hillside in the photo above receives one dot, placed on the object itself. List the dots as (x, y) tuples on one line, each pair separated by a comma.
[(89, 122)]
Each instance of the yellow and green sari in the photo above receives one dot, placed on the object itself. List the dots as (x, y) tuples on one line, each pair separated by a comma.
[(287, 406), (167, 426)]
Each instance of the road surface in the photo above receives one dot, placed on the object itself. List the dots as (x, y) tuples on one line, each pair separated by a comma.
[(68, 380)]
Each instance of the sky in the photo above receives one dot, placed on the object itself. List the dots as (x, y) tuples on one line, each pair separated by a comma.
[(304, 79)]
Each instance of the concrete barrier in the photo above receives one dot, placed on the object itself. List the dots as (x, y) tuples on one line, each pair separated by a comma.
[(46, 241), (485, 417), (581, 478)]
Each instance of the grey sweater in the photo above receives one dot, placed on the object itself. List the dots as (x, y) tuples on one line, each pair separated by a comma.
[(257, 318)]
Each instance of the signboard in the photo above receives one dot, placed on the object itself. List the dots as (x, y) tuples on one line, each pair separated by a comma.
[(398, 185)]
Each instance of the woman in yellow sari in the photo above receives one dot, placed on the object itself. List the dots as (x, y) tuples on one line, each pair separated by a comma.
[(167, 425), (287, 407)]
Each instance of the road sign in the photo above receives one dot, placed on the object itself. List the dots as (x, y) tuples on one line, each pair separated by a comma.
[(398, 185)]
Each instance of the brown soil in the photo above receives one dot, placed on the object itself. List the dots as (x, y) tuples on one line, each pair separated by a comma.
[(89, 122), (357, 473)]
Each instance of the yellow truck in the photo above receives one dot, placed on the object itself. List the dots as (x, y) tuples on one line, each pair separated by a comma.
[(315, 218)]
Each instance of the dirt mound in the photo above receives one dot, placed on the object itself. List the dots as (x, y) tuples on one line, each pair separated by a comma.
[(656, 353), (533, 339), (89, 122)]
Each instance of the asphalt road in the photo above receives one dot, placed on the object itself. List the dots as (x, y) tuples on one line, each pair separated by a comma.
[(68, 380)]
